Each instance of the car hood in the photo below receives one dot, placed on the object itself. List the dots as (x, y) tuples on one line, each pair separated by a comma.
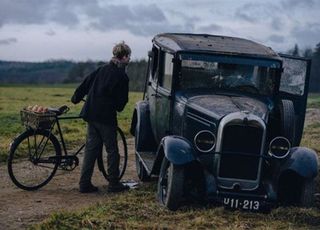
[(220, 105)]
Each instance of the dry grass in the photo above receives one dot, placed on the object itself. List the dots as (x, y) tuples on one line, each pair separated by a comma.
[(138, 209)]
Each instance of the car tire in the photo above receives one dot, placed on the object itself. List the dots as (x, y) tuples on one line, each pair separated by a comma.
[(170, 185), (307, 193), (141, 171), (287, 120)]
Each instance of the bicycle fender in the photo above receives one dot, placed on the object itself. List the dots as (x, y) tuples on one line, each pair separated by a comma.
[(177, 150), (303, 161)]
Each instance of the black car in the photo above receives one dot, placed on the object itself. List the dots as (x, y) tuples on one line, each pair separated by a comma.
[(221, 120)]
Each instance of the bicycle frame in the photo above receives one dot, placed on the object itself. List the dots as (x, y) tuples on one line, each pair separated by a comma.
[(61, 135)]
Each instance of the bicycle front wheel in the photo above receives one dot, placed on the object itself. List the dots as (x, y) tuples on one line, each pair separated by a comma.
[(34, 158), (123, 152)]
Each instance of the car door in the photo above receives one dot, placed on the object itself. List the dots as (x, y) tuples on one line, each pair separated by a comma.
[(294, 86), (163, 95), (152, 87)]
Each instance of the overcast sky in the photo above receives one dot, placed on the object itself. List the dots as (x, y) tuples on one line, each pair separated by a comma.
[(38, 30)]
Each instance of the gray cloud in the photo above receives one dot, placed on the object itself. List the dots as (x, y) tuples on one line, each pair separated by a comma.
[(50, 33), (8, 41), (277, 23), (292, 4), (257, 12), (276, 38), (188, 23), (115, 16), (21, 12), (183, 16), (305, 35), (212, 28), (138, 19), (38, 12)]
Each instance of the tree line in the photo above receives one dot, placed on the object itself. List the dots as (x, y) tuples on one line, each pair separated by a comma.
[(62, 71)]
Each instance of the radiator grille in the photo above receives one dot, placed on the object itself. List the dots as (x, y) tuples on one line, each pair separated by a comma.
[(237, 139)]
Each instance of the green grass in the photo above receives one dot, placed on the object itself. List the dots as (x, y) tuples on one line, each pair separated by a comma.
[(314, 101), (14, 98)]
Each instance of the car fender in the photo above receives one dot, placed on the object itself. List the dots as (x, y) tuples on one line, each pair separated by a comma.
[(140, 109), (303, 161), (141, 128), (177, 150)]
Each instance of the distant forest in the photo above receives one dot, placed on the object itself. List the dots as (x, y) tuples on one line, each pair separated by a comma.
[(62, 71)]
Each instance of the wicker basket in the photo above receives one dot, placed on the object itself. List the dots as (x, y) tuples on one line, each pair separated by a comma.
[(37, 120)]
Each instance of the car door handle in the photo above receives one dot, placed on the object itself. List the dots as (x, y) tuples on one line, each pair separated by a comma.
[(155, 95)]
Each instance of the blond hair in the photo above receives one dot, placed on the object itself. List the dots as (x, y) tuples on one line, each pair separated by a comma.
[(120, 50)]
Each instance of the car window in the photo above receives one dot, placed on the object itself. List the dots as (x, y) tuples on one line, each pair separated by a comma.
[(154, 62), (166, 80), (294, 76), (235, 74)]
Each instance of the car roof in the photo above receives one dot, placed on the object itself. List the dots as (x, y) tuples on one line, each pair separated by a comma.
[(177, 42)]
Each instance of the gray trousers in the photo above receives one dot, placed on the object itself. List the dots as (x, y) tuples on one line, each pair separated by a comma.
[(97, 135)]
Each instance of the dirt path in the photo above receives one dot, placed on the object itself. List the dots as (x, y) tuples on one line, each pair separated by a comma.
[(19, 209)]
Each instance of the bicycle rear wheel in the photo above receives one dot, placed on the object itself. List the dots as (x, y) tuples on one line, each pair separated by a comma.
[(33, 159), (123, 152)]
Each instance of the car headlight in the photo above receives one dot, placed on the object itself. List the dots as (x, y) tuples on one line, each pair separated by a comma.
[(279, 147), (205, 141)]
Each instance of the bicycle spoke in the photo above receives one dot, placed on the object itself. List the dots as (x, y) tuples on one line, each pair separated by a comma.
[(30, 163), (29, 149), (41, 152)]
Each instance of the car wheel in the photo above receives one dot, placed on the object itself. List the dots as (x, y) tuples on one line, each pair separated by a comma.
[(141, 171), (170, 185), (307, 193)]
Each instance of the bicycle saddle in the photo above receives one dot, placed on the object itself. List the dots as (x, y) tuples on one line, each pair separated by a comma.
[(60, 110)]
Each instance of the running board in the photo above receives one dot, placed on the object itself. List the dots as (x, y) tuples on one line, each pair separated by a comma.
[(147, 159)]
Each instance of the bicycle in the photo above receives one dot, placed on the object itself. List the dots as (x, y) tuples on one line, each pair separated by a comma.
[(36, 154)]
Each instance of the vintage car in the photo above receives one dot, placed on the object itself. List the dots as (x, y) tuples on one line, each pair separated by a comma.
[(221, 120)]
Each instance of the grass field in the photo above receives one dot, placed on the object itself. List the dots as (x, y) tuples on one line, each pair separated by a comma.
[(138, 209), (14, 98)]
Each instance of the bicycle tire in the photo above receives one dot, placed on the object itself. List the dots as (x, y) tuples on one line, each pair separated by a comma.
[(24, 166), (123, 151)]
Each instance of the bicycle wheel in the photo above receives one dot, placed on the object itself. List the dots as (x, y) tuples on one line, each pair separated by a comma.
[(33, 159), (123, 152)]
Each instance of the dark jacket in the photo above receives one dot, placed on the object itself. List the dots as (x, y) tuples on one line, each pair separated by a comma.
[(107, 92)]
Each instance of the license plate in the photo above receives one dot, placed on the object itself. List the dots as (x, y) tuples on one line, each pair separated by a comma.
[(241, 204)]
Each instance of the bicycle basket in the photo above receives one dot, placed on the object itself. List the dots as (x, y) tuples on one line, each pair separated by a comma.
[(37, 120)]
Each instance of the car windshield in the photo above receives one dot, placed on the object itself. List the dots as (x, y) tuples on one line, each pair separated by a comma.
[(247, 75)]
